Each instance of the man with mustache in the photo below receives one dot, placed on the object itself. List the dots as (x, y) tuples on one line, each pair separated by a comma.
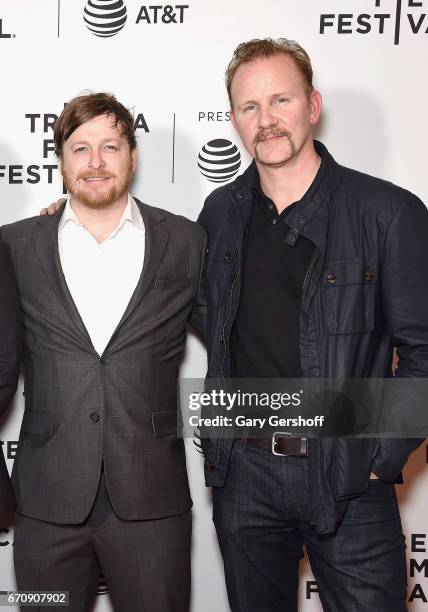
[(315, 271), (107, 285)]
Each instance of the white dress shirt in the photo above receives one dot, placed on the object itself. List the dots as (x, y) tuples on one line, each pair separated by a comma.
[(102, 277)]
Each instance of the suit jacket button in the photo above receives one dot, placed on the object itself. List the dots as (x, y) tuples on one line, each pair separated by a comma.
[(211, 467), (95, 417), (332, 278), (105, 360)]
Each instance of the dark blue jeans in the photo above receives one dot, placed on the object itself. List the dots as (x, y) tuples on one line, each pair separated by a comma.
[(263, 519)]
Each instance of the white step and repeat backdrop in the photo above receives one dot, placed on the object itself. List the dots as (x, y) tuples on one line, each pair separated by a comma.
[(167, 61)]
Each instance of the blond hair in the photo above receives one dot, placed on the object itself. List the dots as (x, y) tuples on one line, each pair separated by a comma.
[(269, 47)]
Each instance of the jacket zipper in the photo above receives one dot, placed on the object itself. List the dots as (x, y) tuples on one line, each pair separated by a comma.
[(311, 446), (223, 336), (309, 270)]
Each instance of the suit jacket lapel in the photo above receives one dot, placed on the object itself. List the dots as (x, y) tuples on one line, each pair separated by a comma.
[(46, 246), (156, 239)]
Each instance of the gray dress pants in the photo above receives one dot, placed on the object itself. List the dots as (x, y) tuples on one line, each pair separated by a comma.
[(146, 564)]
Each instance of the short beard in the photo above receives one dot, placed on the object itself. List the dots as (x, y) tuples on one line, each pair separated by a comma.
[(98, 201), (261, 136)]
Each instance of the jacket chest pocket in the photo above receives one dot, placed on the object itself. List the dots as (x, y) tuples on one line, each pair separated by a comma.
[(349, 288)]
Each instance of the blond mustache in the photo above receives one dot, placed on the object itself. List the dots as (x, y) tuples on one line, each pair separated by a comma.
[(260, 137), (98, 175)]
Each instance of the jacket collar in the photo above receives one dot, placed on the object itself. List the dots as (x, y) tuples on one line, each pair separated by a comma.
[(302, 218), (131, 215), (46, 246)]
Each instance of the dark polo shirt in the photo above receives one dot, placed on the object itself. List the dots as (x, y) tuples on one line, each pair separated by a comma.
[(265, 335)]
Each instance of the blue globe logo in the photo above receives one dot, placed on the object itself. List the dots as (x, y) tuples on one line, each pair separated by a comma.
[(105, 18), (219, 160)]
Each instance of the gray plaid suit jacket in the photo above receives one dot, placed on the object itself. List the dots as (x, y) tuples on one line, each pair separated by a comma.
[(121, 408)]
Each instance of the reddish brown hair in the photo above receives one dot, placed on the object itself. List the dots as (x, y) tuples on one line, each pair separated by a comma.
[(269, 47), (87, 107)]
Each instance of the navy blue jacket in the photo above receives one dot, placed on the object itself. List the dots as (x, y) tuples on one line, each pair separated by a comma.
[(371, 238)]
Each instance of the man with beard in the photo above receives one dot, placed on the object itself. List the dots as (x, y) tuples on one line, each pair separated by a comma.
[(107, 285), (315, 271)]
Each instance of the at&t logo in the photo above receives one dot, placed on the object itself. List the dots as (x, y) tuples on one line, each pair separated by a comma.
[(105, 18), (219, 160), (167, 13)]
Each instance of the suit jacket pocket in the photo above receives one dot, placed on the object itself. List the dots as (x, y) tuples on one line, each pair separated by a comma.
[(165, 422), (37, 423), (165, 283)]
